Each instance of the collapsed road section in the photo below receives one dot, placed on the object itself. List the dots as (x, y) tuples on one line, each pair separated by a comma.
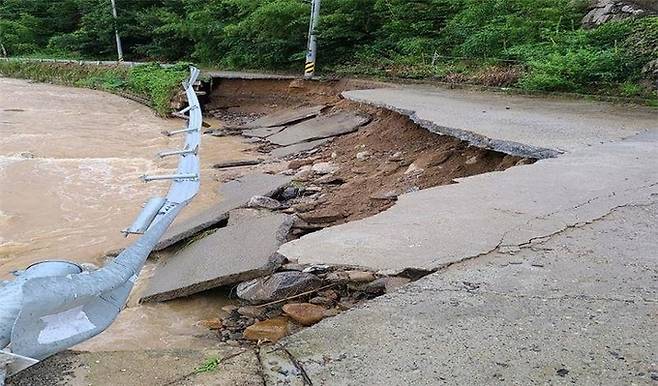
[(53, 305)]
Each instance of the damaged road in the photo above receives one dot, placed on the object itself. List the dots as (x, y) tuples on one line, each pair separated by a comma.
[(416, 258)]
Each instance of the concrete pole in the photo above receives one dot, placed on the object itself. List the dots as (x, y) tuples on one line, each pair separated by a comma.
[(312, 48), (116, 32)]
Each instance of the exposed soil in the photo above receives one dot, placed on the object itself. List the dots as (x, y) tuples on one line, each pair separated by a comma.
[(388, 157)]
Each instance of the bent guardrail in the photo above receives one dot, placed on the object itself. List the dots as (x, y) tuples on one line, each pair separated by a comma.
[(53, 305)]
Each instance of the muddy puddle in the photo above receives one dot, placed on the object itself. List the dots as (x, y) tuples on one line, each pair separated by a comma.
[(70, 161)]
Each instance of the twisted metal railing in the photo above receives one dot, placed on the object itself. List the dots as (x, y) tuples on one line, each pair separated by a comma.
[(54, 305)]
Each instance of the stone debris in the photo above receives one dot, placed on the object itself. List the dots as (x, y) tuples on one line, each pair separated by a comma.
[(325, 126), (277, 286), (252, 312), (263, 202), (363, 155), (286, 116), (270, 330), (234, 194), (305, 314), (324, 168), (241, 251)]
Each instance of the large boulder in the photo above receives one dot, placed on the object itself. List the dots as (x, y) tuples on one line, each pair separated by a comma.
[(603, 11), (277, 286)]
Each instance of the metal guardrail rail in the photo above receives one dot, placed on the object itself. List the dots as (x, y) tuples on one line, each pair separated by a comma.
[(54, 305)]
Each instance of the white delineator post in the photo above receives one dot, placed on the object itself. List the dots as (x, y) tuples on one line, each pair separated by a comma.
[(312, 47)]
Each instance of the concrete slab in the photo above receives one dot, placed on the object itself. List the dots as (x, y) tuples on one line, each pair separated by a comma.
[(436, 227), (286, 116), (262, 132), (148, 368), (519, 319), (234, 194), (517, 125), (240, 251), (298, 148), (325, 126)]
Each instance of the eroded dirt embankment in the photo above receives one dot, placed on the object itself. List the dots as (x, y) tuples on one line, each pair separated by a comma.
[(349, 176), (389, 156)]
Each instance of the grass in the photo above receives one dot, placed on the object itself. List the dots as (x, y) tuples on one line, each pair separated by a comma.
[(151, 82), (209, 365)]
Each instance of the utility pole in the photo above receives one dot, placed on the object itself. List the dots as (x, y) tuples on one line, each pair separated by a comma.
[(116, 32), (312, 48)]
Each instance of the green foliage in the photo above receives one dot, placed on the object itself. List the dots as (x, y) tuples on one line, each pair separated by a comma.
[(209, 365), (158, 83), (533, 44)]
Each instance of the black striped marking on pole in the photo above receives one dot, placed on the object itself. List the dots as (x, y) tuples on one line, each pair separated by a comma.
[(309, 68)]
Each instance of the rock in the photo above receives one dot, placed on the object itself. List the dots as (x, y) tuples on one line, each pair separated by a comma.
[(293, 267), (263, 202), (603, 11), (324, 168), (298, 163), (212, 324), (252, 312), (305, 314), (385, 284), (337, 277), (413, 169), (360, 276), (277, 286), (289, 193), (363, 155), (268, 330), (329, 179), (472, 160), (398, 156)]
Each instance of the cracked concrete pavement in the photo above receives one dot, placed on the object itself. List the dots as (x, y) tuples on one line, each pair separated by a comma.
[(578, 307), (544, 273), (517, 125), (435, 227)]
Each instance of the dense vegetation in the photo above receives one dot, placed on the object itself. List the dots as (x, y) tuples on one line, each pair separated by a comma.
[(532, 44)]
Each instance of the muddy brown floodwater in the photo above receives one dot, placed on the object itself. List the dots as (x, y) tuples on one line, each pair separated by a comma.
[(70, 161)]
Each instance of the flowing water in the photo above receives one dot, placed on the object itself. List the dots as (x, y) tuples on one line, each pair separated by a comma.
[(70, 161)]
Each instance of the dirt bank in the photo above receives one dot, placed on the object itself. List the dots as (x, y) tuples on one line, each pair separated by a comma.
[(388, 157)]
